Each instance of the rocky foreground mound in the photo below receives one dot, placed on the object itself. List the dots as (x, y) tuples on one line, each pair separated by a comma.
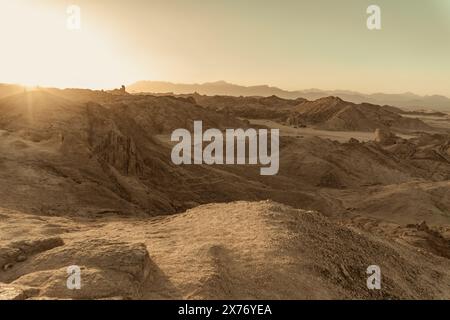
[(241, 250)]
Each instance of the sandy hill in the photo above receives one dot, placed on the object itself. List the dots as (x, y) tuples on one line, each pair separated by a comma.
[(242, 250), (333, 113), (330, 113)]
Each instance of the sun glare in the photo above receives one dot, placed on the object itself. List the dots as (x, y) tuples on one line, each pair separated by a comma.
[(41, 50)]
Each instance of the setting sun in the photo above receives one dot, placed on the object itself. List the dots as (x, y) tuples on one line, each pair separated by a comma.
[(41, 50)]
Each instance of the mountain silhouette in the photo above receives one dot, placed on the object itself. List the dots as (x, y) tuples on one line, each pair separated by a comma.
[(406, 100)]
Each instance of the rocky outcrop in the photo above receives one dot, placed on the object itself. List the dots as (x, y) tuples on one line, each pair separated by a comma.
[(120, 152), (108, 269), (110, 144), (19, 251), (385, 137), (295, 120), (16, 292)]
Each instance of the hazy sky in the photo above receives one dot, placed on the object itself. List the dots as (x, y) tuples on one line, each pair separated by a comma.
[(291, 44)]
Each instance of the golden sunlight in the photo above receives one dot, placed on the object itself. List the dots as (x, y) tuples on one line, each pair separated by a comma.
[(45, 52)]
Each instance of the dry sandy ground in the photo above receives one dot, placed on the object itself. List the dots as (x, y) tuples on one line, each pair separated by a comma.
[(442, 122), (341, 136), (242, 250)]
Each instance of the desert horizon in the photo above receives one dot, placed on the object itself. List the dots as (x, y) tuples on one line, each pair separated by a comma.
[(408, 100), (217, 83)]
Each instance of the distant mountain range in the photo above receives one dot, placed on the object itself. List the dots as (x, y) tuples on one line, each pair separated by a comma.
[(406, 100)]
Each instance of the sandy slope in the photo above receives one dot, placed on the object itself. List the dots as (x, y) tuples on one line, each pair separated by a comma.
[(240, 250)]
